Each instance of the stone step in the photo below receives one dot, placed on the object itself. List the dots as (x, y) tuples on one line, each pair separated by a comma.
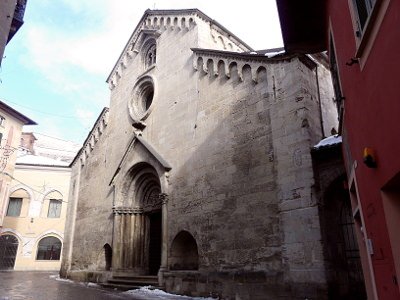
[(130, 282), (133, 281), (121, 287), (147, 278)]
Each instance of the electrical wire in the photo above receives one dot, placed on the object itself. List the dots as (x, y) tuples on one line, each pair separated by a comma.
[(42, 112), (30, 187)]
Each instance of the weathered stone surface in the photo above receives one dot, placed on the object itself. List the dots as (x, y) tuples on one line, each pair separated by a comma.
[(232, 127)]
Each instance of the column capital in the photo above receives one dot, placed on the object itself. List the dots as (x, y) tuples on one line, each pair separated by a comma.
[(122, 210), (164, 198)]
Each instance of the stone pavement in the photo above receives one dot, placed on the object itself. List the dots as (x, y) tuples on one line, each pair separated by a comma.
[(16, 285)]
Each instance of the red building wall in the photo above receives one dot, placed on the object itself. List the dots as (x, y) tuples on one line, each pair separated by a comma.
[(372, 119)]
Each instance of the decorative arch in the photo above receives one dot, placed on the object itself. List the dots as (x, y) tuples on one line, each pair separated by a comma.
[(52, 203), (18, 202), (11, 231), (47, 233), (138, 221), (22, 187), (143, 183), (184, 252), (149, 52)]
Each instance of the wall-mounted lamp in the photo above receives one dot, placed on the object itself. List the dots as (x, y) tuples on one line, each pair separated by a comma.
[(369, 157)]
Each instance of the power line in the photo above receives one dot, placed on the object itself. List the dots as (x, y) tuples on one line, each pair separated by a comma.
[(33, 189), (42, 112)]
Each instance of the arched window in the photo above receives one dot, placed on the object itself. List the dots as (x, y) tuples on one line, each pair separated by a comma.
[(52, 205), (18, 203), (49, 248), (184, 253), (150, 58)]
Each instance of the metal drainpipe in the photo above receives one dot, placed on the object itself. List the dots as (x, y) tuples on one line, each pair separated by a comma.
[(319, 102)]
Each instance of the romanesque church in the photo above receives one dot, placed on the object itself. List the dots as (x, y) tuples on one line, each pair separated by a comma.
[(203, 177)]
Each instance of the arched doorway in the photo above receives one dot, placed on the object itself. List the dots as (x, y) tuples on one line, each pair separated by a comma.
[(345, 276), (138, 223), (8, 251)]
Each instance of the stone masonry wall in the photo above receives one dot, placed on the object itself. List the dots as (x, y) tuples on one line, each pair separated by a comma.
[(241, 181)]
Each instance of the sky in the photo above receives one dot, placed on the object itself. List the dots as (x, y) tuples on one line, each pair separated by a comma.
[(55, 67)]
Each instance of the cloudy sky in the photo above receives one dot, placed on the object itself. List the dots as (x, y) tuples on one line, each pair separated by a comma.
[(55, 67)]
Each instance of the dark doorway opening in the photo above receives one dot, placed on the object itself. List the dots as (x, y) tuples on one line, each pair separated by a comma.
[(345, 275), (108, 256), (8, 251), (155, 242)]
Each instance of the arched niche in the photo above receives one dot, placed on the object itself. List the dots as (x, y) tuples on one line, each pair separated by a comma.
[(184, 252)]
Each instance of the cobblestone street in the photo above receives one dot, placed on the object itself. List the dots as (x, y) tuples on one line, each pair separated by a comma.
[(47, 286)]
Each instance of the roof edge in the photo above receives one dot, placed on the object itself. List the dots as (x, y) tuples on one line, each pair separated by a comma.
[(173, 11), (16, 114)]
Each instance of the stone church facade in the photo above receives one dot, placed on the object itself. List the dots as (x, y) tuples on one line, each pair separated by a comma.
[(200, 172)]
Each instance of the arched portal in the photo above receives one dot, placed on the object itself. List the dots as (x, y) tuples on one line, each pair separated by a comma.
[(138, 222), (8, 251)]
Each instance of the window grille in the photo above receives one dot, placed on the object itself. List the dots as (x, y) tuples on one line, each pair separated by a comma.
[(54, 208), (14, 207)]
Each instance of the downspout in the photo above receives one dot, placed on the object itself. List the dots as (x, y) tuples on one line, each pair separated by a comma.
[(319, 102)]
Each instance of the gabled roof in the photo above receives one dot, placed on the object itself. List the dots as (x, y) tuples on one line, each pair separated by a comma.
[(139, 139), (194, 11), (16, 114)]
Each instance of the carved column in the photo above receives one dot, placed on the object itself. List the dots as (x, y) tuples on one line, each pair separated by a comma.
[(164, 250), (117, 247)]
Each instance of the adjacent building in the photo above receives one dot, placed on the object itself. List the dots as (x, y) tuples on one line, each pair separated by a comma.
[(11, 123), (33, 227), (362, 44), (199, 177), (11, 19)]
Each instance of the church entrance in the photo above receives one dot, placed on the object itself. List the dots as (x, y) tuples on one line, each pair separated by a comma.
[(138, 224), (155, 242)]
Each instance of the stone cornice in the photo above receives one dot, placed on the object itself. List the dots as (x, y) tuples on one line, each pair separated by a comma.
[(241, 55), (209, 61), (93, 137), (157, 21), (122, 210)]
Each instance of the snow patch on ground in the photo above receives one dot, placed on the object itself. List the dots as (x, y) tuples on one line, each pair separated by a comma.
[(149, 293), (91, 284), (57, 277)]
